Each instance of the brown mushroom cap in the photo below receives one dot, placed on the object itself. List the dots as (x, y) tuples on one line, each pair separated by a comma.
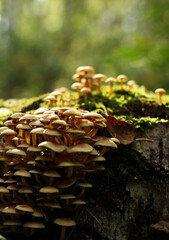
[(22, 173), (54, 147), (122, 78), (48, 189), (66, 222), (24, 208), (82, 147), (34, 224), (16, 151)]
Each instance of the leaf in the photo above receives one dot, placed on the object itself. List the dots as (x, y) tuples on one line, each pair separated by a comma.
[(121, 130)]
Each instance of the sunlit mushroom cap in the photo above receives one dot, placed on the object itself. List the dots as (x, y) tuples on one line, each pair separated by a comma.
[(23, 126), (28, 117), (85, 90), (122, 78), (48, 189), (160, 91), (111, 80), (34, 149), (99, 76), (83, 70), (40, 110), (76, 85), (93, 115), (131, 83), (56, 93), (72, 130), (53, 146), (34, 224), (9, 123), (83, 147), (17, 115), (73, 112), (66, 222), (3, 128), (60, 122)]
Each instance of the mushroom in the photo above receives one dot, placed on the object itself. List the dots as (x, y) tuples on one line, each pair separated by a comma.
[(99, 77), (131, 84), (160, 92), (85, 91), (121, 78), (64, 222), (110, 81), (77, 86)]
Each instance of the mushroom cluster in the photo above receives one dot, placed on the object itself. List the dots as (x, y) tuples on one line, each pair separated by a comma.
[(86, 80), (50, 156)]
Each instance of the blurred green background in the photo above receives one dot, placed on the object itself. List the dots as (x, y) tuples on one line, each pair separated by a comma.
[(42, 42)]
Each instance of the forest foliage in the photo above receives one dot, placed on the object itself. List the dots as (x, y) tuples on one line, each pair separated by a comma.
[(42, 42)]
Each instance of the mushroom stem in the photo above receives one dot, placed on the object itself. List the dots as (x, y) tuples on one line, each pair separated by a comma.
[(110, 90), (121, 86), (160, 98), (63, 232), (104, 149)]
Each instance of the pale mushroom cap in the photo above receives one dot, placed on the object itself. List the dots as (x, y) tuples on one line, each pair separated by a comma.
[(83, 147), (8, 132), (22, 173), (106, 143), (53, 146), (12, 222), (70, 164), (50, 98), (160, 91), (66, 222), (99, 76), (40, 110), (9, 209), (78, 202), (85, 90), (84, 184), (76, 85), (73, 112), (34, 224), (3, 190), (34, 149), (17, 115), (131, 83), (85, 123), (56, 93), (24, 207), (52, 173), (67, 196), (111, 80), (16, 151), (28, 117), (9, 123), (60, 122), (122, 78), (48, 189), (72, 130), (36, 123), (38, 130), (85, 70), (25, 190), (52, 132), (23, 126)]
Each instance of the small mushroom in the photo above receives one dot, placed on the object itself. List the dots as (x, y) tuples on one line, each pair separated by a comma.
[(121, 78), (77, 86), (85, 91), (99, 77), (110, 81), (160, 92), (64, 222)]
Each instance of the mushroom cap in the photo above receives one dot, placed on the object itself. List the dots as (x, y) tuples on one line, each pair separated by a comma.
[(85, 90), (56, 93), (72, 112), (66, 222), (67, 196), (3, 190), (16, 151), (67, 182), (122, 78), (28, 117), (79, 202), (24, 207), (60, 122), (85, 123), (17, 115), (40, 110), (76, 85), (52, 173), (12, 222), (9, 210), (25, 189), (160, 91), (84, 184), (52, 132), (53, 146), (99, 76), (38, 130), (83, 70), (23, 126), (8, 132), (131, 83), (22, 173), (48, 189), (34, 224), (70, 164), (9, 123), (82, 147), (107, 142), (111, 80), (72, 130)]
